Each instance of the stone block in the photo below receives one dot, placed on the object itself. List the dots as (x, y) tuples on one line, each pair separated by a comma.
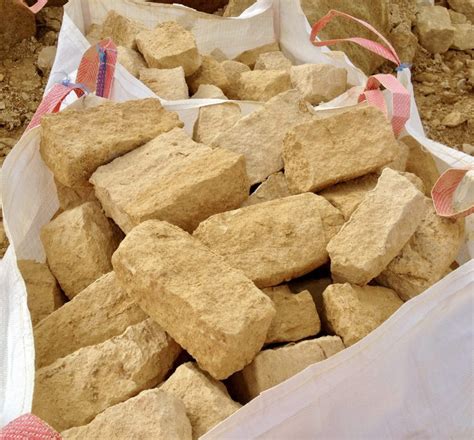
[(323, 152), (79, 244), (233, 70), (210, 72), (465, 7), (171, 178), (401, 158), (249, 57), (352, 312), (131, 60), (206, 400), (168, 46), (463, 37), (168, 84), (94, 34), (208, 91), (262, 85), (71, 197), (275, 187), (457, 17), (275, 241), (74, 143), (377, 230), (215, 119), (211, 309), (73, 390), (404, 41), (121, 29), (273, 61), (101, 311), (435, 32)]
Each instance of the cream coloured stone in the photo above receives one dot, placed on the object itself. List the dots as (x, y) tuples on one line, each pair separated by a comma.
[(71, 197), (219, 55), (210, 72), (273, 61), (249, 57), (463, 36), (296, 316), (271, 367), (377, 230), (74, 143), (101, 311), (215, 119), (352, 312), (275, 241), (121, 29), (404, 41), (465, 7), (425, 259), (262, 85), (275, 187), (265, 127), (166, 83), (401, 158), (169, 45), (94, 34), (44, 296), (131, 60), (208, 91), (206, 400), (434, 28), (171, 178), (211, 309), (233, 70), (74, 389), (323, 152), (319, 82), (457, 17), (79, 244), (153, 414)]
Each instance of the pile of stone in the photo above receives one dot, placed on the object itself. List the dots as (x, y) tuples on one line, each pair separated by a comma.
[(187, 274)]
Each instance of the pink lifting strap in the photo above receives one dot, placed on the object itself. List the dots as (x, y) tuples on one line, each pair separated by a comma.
[(40, 4)]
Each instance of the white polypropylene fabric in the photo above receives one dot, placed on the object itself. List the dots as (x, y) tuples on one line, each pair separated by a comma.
[(407, 379)]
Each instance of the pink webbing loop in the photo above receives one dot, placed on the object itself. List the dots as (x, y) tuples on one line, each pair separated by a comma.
[(30, 427), (40, 4), (388, 52), (443, 194)]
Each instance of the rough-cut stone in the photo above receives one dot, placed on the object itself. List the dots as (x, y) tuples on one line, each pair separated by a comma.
[(122, 30), (153, 414), (101, 311), (434, 28), (74, 389), (457, 17), (171, 178), (262, 85), (235, 7), (206, 400), (352, 312), (275, 241), (275, 187), (404, 41), (131, 60), (377, 230), (463, 36), (46, 59), (401, 158), (211, 309), (218, 55), (215, 119), (271, 367), (94, 34), (319, 82), (323, 152), (166, 83), (265, 127), (210, 72), (208, 91), (233, 70), (425, 259), (71, 197), (273, 61), (169, 45), (296, 316), (465, 7), (79, 244), (74, 143), (44, 296), (249, 57), (16, 23)]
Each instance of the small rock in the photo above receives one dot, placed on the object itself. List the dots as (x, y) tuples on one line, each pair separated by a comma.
[(273, 61), (208, 91), (262, 85), (465, 7), (454, 119), (457, 17), (215, 119), (46, 58), (468, 149), (275, 187), (463, 36), (166, 83), (233, 70), (122, 30), (131, 60), (210, 72), (249, 57), (95, 34), (404, 41), (434, 29), (2, 77), (2, 105)]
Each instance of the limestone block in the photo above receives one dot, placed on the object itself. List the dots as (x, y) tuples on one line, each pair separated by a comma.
[(211, 309), (166, 83), (465, 7), (71, 197), (131, 60), (425, 259), (44, 296), (153, 414), (377, 230), (210, 72), (79, 244), (233, 70), (74, 389), (171, 178), (273, 61), (457, 17), (434, 28), (296, 316), (265, 127), (169, 45), (262, 85), (249, 57), (101, 311), (94, 34), (401, 158), (404, 41), (121, 29), (271, 367), (275, 187), (208, 91), (323, 152), (319, 82), (463, 36), (353, 311), (275, 241), (219, 55), (215, 119), (206, 400), (74, 143)]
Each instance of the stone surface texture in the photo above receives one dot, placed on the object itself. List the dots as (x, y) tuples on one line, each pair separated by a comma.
[(262, 85), (233, 70), (79, 244), (463, 36), (208, 91), (131, 60), (435, 31), (210, 72), (16, 23), (275, 187), (249, 57), (73, 390), (71, 197), (215, 119), (209, 308), (171, 178), (122, 30), (273, 61), (465, 7), (166, 83)]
